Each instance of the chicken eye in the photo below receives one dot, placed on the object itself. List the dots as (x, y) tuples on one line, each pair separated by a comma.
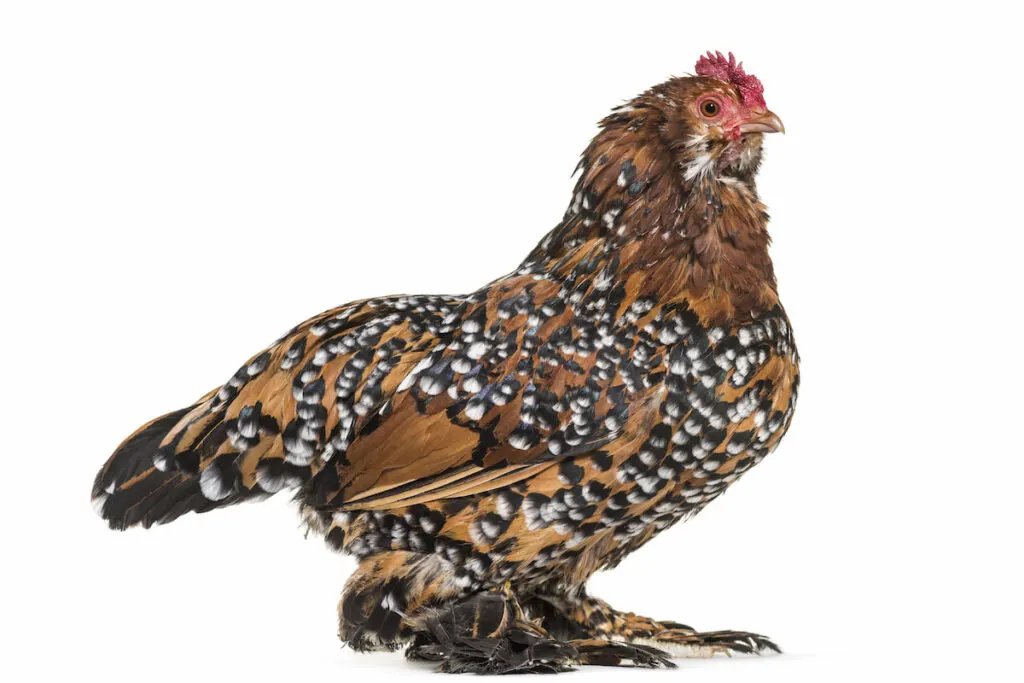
[(709, 108)]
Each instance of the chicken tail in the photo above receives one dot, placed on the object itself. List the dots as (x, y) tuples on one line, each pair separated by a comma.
[(130, 490)]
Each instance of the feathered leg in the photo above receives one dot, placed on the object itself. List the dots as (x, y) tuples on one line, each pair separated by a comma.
[(488, 633), (398, 598), (578, 615), (386, 592)]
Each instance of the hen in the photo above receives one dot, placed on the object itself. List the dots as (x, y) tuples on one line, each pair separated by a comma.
[(483, 455)]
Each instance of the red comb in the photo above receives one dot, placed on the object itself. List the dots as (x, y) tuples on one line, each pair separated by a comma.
[(717, 66)]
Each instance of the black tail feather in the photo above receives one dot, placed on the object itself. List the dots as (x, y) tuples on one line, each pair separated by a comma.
[(129, 490), (135, 455)]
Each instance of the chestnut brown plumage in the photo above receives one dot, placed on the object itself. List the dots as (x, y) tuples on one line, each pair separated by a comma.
[(483, 455)]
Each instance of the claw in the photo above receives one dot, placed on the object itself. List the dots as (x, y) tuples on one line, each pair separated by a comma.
[(614, 653), (716, 642)]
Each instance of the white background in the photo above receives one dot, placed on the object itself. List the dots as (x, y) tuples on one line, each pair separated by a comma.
[(181, 182)]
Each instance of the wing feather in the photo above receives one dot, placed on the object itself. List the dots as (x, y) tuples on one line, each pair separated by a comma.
[(413, 399)]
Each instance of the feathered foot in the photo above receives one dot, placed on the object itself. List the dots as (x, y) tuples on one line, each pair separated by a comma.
[(578, 615), (488, 633)]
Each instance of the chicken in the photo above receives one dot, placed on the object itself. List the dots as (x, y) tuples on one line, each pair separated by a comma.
[(483, 455)]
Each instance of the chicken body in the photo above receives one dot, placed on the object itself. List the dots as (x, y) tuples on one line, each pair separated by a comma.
[(483, 455)]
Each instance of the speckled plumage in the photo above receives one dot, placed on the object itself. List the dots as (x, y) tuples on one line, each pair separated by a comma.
[(486, 454)]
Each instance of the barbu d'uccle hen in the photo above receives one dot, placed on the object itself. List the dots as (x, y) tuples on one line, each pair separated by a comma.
[(482, 456)]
